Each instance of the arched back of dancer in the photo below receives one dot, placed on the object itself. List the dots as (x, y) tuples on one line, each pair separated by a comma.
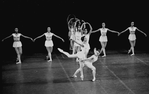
[(17, 43), (49, 43), (132, 37), (103, 38)]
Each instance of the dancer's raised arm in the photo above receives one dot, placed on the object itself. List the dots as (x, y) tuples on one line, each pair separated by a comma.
[(123, 31), (113, 31), (7, 37), (39, 37), (59, 37), (26, 37), (142, 32)]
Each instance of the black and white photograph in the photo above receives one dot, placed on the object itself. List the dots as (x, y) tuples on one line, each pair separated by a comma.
[(74, 47)]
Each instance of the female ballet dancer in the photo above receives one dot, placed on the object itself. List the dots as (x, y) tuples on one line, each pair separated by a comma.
[(78, 36), (83, 61), (103, 38), (17, 44), (71, 32), (132, 37), (49, 43)]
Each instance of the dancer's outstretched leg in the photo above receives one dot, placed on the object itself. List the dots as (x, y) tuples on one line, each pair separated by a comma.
[(67, 54)]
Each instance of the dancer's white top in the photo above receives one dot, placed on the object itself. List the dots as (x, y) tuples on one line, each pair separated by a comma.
[(132, 35), (48, 36), (16, 37), (103, 31), (103, 37)]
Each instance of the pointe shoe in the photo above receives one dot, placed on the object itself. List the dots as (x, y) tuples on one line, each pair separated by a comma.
[(132, 54), (129, 51), (75, 76), (18, 62), (104, 56), (82, 78), (60, 49), (93, 79), (49, 60)]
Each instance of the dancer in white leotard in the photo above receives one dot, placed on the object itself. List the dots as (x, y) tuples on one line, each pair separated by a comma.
[(83, 61), (17, 43), (132, 36), (103, 38), (49, 43)]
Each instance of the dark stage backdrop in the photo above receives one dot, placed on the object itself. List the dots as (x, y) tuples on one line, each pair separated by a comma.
[(33, 17)]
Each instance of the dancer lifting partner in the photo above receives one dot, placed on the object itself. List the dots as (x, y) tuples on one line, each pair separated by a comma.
[(103, 38), (17, 44), (132, 37), (83, 61), (49, 43)]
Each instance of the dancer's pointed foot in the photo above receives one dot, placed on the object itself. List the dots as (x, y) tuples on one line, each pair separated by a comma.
[(18, 62), (60, 49), (50, 60), (132, 54), (75, 76), (82, 78), (104, 56), (93, 79), (129, 51)]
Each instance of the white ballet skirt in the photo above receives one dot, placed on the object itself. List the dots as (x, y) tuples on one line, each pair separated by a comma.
[(132, 37), (49, 43), (103, 39), (17, 44)]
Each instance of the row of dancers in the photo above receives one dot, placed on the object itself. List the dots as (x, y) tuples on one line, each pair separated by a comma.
[(75, 33), (79, 42), (18, 45)]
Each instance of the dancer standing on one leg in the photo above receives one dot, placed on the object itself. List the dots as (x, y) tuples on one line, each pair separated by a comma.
[(103, 38), (132, 37), (17, 44), (49, 43), (83, 61), (71, 33)]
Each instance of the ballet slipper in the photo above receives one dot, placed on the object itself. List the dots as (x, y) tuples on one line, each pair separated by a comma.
[(60, 50), (132, 54), (74, 76), (93, 79), (18, 62), (104, 56)]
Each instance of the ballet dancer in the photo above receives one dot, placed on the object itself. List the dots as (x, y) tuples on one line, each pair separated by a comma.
[(17, 44), (132, 37), (49, 43), (103, 38), (83, 61), (78, 36), (71, 32)]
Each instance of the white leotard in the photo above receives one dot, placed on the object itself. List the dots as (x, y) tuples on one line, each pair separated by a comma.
[(16, 36), (132, 30), (103, 31), (132, 35), (103, 37), (48, 36)]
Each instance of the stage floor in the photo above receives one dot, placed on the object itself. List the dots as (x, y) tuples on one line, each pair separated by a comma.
[(116, 74)]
